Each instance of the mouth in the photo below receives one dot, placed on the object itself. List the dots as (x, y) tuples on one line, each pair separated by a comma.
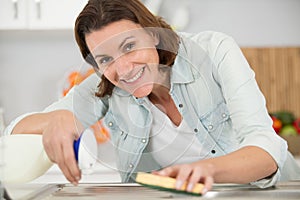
[(135, 77)]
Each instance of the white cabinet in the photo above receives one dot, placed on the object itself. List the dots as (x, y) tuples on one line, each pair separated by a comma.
[(39, 14), (13, 14), (53, 14)]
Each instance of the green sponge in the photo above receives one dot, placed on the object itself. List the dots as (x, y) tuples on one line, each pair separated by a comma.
[(165, 183)]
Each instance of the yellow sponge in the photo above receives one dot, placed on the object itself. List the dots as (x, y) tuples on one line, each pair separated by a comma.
[(165, 183)]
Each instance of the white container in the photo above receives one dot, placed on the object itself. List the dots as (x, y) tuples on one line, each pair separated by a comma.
[(24, 158)]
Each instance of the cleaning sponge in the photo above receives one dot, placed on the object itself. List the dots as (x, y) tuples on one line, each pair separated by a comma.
[(165, 183)]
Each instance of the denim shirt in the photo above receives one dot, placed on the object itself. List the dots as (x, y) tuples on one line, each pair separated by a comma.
[(215, 91)]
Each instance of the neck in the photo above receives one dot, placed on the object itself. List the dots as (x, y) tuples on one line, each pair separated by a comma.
[(160, 91), (159, 94), (161, 98)]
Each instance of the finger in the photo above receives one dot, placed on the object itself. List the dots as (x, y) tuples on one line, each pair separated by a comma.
[(50, 153), (71, 164), (63, 164), (182, 176), (50, 148), (208, 183), (194, 178), (67, 173)]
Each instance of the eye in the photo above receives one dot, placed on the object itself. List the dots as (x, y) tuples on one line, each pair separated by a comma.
[(128, 47), (105, 60)]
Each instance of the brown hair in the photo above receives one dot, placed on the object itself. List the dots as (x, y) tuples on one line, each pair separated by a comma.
[(99, 13)]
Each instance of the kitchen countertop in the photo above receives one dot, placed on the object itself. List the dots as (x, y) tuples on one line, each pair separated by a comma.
[(99, 174), (105, 177), (114, 191)]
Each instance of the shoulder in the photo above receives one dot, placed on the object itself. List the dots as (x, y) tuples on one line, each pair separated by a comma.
[(206, 37), (90, 83), (209, 41), (87, 88)]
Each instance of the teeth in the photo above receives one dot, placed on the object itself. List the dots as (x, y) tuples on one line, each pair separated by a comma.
[(138, 75)]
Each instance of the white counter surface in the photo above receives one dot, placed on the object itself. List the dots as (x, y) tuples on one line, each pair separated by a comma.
[(100, 174)]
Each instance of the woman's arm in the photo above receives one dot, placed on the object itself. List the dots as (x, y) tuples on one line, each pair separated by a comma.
[(247, 107), (37, 123), (32, 124), (59, 129), (242, 166), (62, 122), (245, 165)]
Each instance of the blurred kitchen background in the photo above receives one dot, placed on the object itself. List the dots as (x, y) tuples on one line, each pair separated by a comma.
[(37, 46)]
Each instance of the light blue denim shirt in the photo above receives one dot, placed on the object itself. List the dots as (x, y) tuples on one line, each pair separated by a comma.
[(215, 91)]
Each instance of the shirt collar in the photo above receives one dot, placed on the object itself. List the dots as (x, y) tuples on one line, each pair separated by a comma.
[(182, 67)]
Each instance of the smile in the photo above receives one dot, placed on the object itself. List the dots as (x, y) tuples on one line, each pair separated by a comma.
[(136, 77)]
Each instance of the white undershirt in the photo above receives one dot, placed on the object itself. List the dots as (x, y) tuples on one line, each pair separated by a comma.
[(170, 144)]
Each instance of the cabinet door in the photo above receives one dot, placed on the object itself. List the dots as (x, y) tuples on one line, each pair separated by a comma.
[(54, 14), (13, 14)]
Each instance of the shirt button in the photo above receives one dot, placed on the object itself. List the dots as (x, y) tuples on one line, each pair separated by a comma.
[(210, 127), (195, 130), (122, 132), (144, 140), (110, 124), (213, 151), (131, 165), (180, 105), (224, 115)]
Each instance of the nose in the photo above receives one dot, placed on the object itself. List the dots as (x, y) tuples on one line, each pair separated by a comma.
[(123, 65)]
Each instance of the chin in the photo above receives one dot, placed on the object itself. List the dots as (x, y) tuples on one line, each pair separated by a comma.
[(143, 91)]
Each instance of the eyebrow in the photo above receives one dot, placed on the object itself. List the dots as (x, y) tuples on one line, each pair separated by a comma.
[(127, 38), (102, 55), (122, 43)]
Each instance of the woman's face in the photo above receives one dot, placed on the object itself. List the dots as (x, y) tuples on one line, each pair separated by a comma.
[(126, 55)]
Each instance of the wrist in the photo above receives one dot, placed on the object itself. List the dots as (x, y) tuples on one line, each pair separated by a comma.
[(209, 165), (68, 119)]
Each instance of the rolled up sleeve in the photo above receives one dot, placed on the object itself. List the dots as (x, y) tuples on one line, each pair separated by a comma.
[(247, 105)]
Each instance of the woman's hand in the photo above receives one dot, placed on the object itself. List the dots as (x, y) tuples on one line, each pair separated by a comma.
[(197, 172), (59, 133), (237, 167)]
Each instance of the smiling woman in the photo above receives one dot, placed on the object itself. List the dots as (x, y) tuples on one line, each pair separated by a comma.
[(134, 13), (181, 105)]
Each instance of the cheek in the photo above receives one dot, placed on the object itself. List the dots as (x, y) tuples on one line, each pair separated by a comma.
[(111, 75), (154, 56), (147, 56)]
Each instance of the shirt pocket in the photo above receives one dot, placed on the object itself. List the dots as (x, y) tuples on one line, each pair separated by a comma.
[(119, 137), (118, 134), (216, 121)]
